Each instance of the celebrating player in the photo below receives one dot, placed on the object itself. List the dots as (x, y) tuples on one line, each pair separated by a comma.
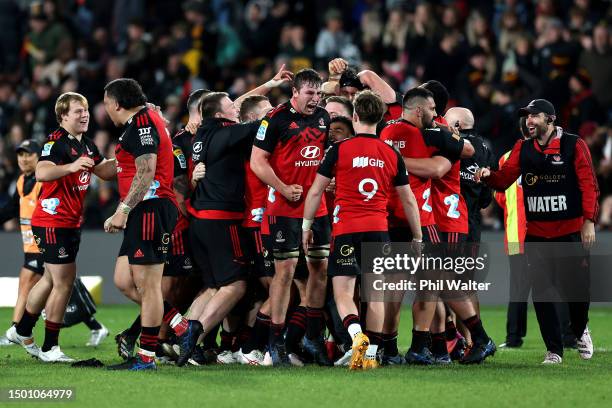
[(65, 166), (288, 148), (360, 215)]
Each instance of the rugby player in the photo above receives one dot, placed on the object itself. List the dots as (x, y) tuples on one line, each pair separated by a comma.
[(362, 193)]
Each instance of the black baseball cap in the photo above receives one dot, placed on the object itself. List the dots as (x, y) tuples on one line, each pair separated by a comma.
[(537, 106), (29, 146)]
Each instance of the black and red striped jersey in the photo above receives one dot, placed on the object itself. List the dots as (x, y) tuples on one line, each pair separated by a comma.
[(367, 170), (296, 143), (145, 133), (60, 203)]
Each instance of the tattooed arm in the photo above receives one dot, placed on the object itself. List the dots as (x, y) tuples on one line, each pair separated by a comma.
[(145, 172), (181, 191)]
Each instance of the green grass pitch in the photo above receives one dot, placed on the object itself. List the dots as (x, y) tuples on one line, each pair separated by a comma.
[(513, 378)]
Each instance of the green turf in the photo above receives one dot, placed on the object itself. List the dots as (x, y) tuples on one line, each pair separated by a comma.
[(512, 378)]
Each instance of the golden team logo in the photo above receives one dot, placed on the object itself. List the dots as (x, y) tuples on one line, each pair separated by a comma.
[(530, 179), (346, 250), (165, 238)]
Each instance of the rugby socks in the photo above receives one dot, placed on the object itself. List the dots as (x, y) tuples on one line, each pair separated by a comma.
[(276, 333), (52, 330), (244, 336), (438, 344), (27, 323), (296, 328), (148, 343), (474, 325), (451, 331), (210, 338), (260, 334), (134, 329), (314, 322), (352, 325), (92, 323), (390, 344), (174, 319), (420, 340), (227, 340), (376, 340)]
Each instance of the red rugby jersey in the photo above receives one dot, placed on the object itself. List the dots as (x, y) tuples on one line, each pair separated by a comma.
[(408, 139), (296, 143), (60, 203), (146, 133), (367, 170)]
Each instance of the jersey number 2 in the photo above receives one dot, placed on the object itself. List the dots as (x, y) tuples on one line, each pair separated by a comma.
[(426, 206), (453, 202)]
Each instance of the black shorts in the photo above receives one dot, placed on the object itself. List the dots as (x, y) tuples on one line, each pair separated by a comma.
[(57, 245), (301, 269), (404, 234), (266, 239), (179, 261), (257, 249), (452, 237), (146, 238), (286, 234), (345, 258), (221, 250), (33, 262)]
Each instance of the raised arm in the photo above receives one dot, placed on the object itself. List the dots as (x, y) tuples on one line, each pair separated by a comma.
[(281, 77)]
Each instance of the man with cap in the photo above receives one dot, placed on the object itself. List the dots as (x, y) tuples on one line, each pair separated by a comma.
[(560, 193), (22, 206)]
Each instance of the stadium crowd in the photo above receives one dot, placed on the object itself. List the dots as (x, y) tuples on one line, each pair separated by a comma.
[(382, 145), (493, 56)]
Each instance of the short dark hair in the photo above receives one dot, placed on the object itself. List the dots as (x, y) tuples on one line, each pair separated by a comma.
[(369, 107), (350, 78), (249, 104), (343, 101), (344, 120), (127, 92), (440, 94), (306, 76), (195, 97), (211, 104), (415, 93)]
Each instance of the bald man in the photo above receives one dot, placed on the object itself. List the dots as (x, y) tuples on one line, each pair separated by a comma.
[(476, 195)]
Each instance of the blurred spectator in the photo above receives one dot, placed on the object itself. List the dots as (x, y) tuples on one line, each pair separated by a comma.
[(46, 38), (260, 30), (582, 113), (333, 42), (10, 21), (493, 56), (445, 60), (596, 58), (422, 35), (295, 48)]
